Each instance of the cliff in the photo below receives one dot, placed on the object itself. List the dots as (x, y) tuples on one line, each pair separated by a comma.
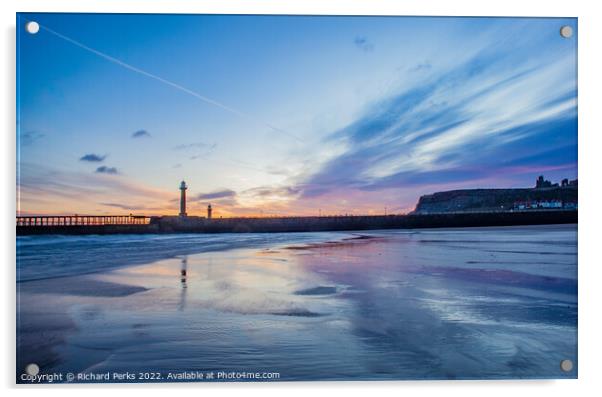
[(489, 200)]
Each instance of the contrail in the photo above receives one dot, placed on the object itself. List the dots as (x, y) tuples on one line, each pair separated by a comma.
[(167, 82)]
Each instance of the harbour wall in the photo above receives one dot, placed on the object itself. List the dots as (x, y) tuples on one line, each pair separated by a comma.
[(175, 224)]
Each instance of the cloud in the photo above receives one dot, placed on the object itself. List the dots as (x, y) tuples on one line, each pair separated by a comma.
[(134, 208), (363, 44), (425, 66), (482, 119), (45, 190), (141, 134), (103, 169), (226, 193), (226, 200), (195, 145), (121, 206), (29, 137), (93, 158), (488, 115), (196, 149), (266, 192)]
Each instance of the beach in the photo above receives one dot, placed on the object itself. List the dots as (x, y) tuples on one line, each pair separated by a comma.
[(466, 303)]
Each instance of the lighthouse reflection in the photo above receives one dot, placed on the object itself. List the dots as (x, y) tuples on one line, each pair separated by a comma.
[(183, 283)]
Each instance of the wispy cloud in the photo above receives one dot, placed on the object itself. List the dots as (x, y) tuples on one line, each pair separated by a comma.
[(472, 122), (278, 192), (167, 82), (363, 44), (226, 193), (30, 137), (196, 150), (93, 158), (195, 146), (121, 206), (141, 134), (134, 208), (103, 169), (42, 188), (463, 103), (424, 66)]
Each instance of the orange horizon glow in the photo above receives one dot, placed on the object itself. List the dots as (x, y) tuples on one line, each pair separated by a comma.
[(122, 196), (216, 214)]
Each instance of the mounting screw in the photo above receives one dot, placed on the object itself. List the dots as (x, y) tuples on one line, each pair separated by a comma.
[(32, 369), (32, 27), (566, 365), (566, 31)]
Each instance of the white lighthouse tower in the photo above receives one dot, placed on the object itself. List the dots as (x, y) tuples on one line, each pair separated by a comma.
[(183, 188)]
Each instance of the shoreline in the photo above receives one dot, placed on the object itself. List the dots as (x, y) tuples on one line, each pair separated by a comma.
[(145, 248)]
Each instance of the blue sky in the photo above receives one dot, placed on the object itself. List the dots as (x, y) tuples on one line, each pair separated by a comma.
[(280, 115)]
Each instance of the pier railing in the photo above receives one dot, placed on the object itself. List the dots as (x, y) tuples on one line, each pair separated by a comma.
[(82, 220)]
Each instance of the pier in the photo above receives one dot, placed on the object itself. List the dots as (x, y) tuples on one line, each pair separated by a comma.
[(81, 220), (192, 224)]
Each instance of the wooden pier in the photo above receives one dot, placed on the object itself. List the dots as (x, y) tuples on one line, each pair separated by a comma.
[(82, 220)]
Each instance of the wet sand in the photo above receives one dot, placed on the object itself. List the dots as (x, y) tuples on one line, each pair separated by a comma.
[(446, 304)]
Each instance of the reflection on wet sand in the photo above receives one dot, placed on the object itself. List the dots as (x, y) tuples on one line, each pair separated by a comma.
[(388, 307), (183, 281)]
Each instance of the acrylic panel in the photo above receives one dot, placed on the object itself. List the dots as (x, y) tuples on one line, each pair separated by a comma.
[(207, 198)]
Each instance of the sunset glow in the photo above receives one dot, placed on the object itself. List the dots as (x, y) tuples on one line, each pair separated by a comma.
[(280, 116)]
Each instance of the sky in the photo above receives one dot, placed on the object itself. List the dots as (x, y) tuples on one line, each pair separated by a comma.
[(287, 115)]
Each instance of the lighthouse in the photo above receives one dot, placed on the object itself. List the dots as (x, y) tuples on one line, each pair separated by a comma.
[(183, 188), (209, 211)]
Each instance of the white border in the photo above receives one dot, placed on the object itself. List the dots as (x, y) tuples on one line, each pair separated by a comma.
[(590, 106)]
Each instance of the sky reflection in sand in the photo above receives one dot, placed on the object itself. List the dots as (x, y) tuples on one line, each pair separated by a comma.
[(401, 305)]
